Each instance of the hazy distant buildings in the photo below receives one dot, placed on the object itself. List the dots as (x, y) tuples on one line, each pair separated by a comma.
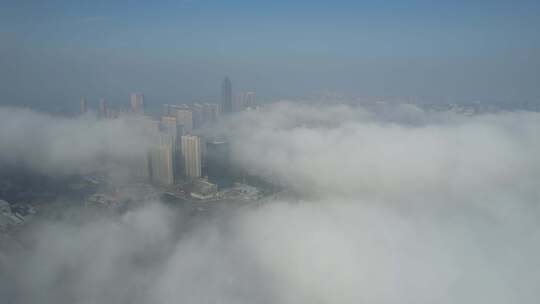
[(244, 100), (226, 96), (165, 108), (211, 112), (204, 113), (149, 127), (194, 116), (198, 115), (137, 102), (169, 126), (102, 109), (191, 150), (170, 109), (183, 114), (184, 117), (182, 151), (84, 106)]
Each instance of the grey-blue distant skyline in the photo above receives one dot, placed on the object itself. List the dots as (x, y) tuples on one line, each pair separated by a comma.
[(56, 52)]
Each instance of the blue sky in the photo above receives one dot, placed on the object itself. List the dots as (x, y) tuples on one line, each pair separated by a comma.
[(177, 51)]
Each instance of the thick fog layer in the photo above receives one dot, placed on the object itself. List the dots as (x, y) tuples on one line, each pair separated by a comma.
[(56, 145), (394, 153), (398, 206)]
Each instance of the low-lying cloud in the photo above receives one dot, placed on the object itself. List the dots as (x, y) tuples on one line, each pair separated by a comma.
[(58, 145), (414, 154), (397, 206)]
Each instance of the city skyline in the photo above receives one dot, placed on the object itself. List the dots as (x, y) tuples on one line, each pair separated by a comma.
[(57, 52)]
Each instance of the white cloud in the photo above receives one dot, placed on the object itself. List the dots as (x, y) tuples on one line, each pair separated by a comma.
[(57, 145), (399, 207)]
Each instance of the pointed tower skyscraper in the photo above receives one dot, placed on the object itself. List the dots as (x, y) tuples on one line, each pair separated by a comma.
[(226, 96)]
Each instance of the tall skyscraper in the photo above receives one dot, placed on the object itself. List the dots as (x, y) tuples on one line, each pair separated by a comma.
[(137, 102), (226, 96), (84, 106), (191, 150), (161, 164), (170, 127)]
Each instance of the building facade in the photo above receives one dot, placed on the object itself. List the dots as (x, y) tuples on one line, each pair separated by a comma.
[(191, 151)]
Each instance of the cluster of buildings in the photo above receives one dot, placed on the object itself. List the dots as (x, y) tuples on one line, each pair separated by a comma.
[(201, 111), (177, 154)]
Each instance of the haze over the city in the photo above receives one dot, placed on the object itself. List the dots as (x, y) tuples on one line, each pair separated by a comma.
[(291, 152), (53, 53)]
